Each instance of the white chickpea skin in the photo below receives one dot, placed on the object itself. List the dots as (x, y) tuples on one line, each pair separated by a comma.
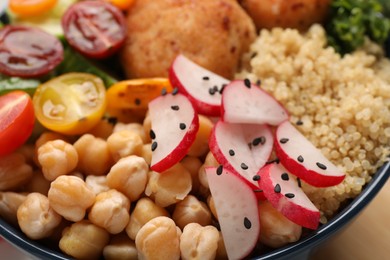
[(170, 186), (276, 229), (158, 239), (191, 210), (124, 143), (84, 240), (57, 158), (199, 242), (110, 211), (9, 204), (94, 156), (14, 171), (129, 176), (44, 138), (70, 197), (36, 218), (144, 210), (121, 247), (97, 184)]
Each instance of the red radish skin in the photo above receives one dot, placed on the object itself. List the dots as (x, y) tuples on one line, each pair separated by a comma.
[(255, 106), (237, 211), (236, 144), (291, 147), (288, 198), (198, 84), (174, 127)]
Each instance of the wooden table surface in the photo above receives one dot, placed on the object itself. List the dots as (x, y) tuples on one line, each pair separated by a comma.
[(368, 237)]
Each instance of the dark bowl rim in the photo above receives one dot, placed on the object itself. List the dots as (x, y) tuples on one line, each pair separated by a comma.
[(36, 249)]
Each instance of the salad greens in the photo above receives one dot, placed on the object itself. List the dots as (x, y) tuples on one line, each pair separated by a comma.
[(351, 21)]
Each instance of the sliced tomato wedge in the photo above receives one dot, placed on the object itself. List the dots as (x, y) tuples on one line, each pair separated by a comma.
[(122, 4), (97, 29), (16, 120), (136, 93), (31, 7), (28, 52), (72, 103)]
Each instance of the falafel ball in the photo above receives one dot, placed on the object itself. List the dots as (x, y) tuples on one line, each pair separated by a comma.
[(212, 33)]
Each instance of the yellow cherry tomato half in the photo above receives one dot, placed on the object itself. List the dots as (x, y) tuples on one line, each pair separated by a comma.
[(136, 93), (72, 103), (124, 5), (31, 7)]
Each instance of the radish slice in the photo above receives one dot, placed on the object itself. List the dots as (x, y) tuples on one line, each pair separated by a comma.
[(174, 127), (202, 87), (303, 159), (254, 105), (242, 149), (237, 211), (284, 193)]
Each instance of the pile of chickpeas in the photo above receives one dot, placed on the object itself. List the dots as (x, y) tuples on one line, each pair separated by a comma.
[(95, 196)]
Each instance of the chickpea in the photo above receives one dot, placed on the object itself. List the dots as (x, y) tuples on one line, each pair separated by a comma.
[(209, 161), (110, 211), (44, 138), (158, 239), (169, 187), (276, 229), (97, 184), (144, 210), (124, 143), (121, 247), (84, 240), (14, 171), (198, 242), (191, 210), (35, 216), (103, 129), (221, 250), (134, 127), (94, 156), (57, 158), (211, 204), (201, 144), (129, 176), (147, 124), (38, 183), (9, 204), (70, 197), (193, 164), (146, 153)]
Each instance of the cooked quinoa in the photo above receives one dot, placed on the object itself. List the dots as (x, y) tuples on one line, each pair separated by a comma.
[(341, 104)]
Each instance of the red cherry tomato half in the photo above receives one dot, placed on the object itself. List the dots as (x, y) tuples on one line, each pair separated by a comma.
[(16, 120), (28, 52), (95, 28)]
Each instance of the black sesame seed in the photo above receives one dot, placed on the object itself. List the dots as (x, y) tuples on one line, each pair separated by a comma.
[(231, 152), (137, 101), (258, 140), (112, 120), (219, 170), (256, 177), (154, 146), (284, 176), (244, 166), (283, 140), (176, 108), (289, 195), (277, 188), (247, 83), (299, 182), (247, 223), (163, 92), (258, 82), (175, 91), (152, 134), (215, 88), (211, 91), (321, 166), (182, 126), (300, 159), (299, 122), (222, 88), (205, 78)]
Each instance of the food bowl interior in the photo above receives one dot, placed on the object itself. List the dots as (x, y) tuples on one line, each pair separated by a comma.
[(299, 250)]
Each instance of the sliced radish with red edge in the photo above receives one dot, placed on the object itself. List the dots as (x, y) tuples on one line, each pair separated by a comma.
[(285, 194), (237, 211), (303, 159), (174, 127), (244, 102), (200, 85)]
